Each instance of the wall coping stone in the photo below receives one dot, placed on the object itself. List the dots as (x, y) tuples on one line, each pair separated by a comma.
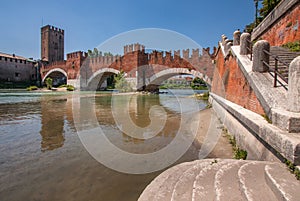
[(287, 144)]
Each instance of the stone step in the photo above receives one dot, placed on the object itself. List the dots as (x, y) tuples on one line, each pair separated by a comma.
[(223, 179), (284, 55), (253, 183), (227, 183), (163, 185), (184, 185), (183, 189), (203, 187), (282, 183)]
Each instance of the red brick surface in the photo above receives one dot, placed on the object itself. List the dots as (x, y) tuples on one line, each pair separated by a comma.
[(285, 30), (134, 61), (230, 83)]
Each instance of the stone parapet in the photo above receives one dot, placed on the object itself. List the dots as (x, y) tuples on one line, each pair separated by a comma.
[(245, 44), (294, 86), (260, 57), (273, 100), (271, 137)]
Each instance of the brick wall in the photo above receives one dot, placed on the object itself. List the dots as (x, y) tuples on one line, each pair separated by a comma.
[(281, 25), (230, 83), (286, 30), (133, 61)]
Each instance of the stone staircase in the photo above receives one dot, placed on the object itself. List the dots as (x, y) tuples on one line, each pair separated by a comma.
[(224, 179), (284, 55)]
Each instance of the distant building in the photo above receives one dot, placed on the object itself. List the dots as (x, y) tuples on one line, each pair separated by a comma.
[(16, 70), (179, 80)]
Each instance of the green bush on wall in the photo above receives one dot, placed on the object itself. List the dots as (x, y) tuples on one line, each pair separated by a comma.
[(31, 88)]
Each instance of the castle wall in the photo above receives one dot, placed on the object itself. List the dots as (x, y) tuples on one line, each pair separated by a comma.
[(14, 69), (135, 63)]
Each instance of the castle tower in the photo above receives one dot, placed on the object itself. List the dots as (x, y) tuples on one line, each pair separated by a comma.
[(52, 44)]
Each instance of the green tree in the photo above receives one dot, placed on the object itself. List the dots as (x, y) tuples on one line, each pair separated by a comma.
[(267, 7), (108, 54), (49, 82), (198, 83), (121, 83), (90, 53), (95, 52)]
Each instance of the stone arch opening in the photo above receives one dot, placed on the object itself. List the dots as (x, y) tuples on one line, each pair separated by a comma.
[(59, 77), (153, 83), (100, 80)]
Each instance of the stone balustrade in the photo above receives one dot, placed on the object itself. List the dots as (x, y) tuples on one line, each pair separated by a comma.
[(294, 86), (236, 37), (259, 56), (245, 44)]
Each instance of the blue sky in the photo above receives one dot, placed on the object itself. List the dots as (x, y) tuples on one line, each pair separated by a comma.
[(89, 23)]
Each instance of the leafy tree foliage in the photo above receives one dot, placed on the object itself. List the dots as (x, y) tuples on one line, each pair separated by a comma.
[(267, 7), (121, 83), (96, 53), (108, 54), (49, 83)]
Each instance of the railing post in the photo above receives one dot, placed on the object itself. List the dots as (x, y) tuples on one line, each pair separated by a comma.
[(275, 72), (224, 38), (236, 37), (228, 44), (294, 86), (245, 38), (259, 56)]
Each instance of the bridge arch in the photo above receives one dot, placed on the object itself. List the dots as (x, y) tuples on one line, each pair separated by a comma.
[(159, 77), (55, 70), (99, 76)]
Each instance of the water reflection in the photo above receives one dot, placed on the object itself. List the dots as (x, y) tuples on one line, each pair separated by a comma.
[(138, 108), (68, 172), (52, 119)]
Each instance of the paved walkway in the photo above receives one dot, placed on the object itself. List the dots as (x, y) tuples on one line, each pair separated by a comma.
[(224, 179)]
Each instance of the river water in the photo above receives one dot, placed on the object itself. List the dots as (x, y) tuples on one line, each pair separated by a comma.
[(42, 157)]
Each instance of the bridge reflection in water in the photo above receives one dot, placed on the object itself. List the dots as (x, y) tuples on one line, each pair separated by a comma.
[(41, 151), (53, 114), (138, 112)]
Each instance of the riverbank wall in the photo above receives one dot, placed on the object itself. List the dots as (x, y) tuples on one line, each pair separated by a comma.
[(254, 111)]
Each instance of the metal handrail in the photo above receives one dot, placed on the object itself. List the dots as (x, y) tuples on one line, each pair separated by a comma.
[(250, 49), (275, 69)]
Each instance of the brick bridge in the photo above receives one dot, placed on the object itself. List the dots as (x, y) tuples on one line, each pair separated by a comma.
[(145, 71)]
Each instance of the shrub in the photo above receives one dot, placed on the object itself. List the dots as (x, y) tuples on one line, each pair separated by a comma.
[(31, 88), (70, 88), (293, 46), (49, 82), (267, 118), (63, 85), (293, 169), (240, 154)]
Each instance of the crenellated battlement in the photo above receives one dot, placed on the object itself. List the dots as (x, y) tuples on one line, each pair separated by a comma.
[(133, 48), (78, 54), (104, 60), (49, 27), (176, 54), (58, 64)]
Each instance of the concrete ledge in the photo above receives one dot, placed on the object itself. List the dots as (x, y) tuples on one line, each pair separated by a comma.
[(269, 136)]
